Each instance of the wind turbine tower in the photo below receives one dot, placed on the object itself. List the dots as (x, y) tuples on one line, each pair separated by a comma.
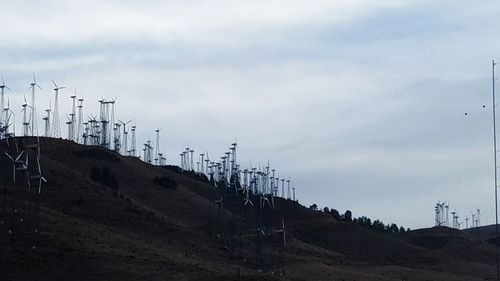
[(283, 188), (34, 129), (2, 102), (113, 114), (157, 147), (478, 218), (202, 160), (73, 117), (26, 124), (56, 126), (46, 120), (207, 161), (79, 130), (132, 141), (447, 211), (191, 161), (125, 137), (288, 187), (70, 136)]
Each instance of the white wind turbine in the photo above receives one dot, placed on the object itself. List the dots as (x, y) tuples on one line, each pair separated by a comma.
[(56, 126), (34, 128), (2, 100)]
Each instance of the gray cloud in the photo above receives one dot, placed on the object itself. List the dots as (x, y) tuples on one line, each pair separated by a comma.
[(361, 104)]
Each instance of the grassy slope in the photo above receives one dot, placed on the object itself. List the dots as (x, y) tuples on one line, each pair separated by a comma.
[(149, 232)]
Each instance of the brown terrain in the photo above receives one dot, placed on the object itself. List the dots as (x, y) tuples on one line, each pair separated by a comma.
[(155, 223)]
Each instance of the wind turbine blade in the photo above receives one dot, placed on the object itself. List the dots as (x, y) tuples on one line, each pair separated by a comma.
[(10, 157), (19, 156), (7, 88), (39, 87), (55, 84)]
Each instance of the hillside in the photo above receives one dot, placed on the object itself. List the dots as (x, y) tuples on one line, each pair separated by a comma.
[(102, 216)]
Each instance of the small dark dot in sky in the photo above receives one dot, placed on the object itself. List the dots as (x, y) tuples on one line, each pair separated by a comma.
[(465, 113), (484, 106)]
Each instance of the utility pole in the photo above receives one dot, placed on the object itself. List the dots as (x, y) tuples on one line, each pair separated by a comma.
[(495, 165)]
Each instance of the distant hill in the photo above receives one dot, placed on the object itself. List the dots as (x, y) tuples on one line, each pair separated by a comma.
[(485, 233), (103, 216)]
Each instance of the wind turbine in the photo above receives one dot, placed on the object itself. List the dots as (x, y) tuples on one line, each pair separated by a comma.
[(34, 129), (46, 120), (80, 128), (132, 141), (69, 123), (2, 100), (8, 114), (26, 123), (157, 146), (202, 161), (18, 165), (73, 117), (56, 126), (247, 200), (125, 136)]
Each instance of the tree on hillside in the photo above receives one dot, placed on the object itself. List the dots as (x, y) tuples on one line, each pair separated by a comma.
[(364, 221), (326, 210), (378, 225), (335, 214), (348, 215), (313, 207), (393, 228)]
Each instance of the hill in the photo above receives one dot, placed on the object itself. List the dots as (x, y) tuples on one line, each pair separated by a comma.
[(103, 216)]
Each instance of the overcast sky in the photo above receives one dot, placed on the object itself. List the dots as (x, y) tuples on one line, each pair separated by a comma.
[(361, 103)]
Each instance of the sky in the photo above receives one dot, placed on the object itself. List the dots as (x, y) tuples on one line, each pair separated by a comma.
[(360, 103)]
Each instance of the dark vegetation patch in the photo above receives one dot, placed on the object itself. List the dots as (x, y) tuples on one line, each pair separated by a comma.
[(98, 153), (364, 221), (104, 176), (165, 182), (191, 174), (494, 241)]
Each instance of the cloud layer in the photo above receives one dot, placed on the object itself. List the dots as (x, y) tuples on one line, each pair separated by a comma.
[(361, 104)]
